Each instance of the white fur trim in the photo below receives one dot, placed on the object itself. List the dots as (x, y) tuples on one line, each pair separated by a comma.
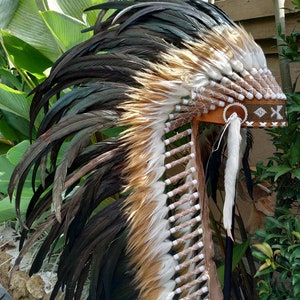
[(232, 168)]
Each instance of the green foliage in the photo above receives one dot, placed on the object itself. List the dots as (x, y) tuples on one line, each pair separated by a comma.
[(291, 51), (14, 101), (279, 250), (283, 168), (65, 30), (8, 162), (8, 8), (25, 57), (279, 254), (239, 251)]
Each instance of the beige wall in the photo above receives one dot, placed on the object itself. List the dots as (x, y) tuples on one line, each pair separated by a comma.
[(257, 16)]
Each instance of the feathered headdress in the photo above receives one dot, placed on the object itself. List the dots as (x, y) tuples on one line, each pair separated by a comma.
[(126, 178)]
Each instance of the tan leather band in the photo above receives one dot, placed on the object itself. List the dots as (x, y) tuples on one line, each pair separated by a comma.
[(253, 113)]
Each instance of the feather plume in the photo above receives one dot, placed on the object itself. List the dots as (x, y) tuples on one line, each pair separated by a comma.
[(136, 204)]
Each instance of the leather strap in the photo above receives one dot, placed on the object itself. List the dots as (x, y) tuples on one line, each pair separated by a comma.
[(253, 113)]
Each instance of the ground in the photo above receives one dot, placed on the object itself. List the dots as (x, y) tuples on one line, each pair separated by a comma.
[(17, 283)]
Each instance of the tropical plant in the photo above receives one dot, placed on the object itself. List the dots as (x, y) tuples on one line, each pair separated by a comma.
[(279, 250), (25, 57), (283, 168), (279, 253)]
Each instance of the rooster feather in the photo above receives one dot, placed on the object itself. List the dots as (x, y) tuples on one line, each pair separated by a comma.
[(131, 205)]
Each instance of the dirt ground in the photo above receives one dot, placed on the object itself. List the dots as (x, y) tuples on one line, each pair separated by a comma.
[(16, 284)]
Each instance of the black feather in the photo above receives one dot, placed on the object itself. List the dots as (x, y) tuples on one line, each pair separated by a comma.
[(245, 163), (79, 100)]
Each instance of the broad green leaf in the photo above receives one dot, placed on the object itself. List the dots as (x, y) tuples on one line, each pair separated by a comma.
[(297, 235), (264, 285), (9, 79), (265, 269), (76, 9), (28, 25), (265, 248), (238, 253), (25, 56), (296, 173), (5, 145), (279, 170), (295, 250), (7, 130), (15, 154), (14, 127), (66, 30), (7, 165), (14, 101), (7, 11), (259, 255), (293, 108), (5, 172), (8, 210), (274, 224)]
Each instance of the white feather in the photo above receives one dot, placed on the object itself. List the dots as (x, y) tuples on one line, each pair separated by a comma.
[(222, 62), (211, 71), (231, 170), (167, 293), (236, 65), (168, 268)]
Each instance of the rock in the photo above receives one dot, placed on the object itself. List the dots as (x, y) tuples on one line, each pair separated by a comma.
[(35, 286), (18, 285), (5, 268)]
